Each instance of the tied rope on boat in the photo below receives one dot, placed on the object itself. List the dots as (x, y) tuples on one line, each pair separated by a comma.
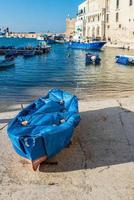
[(22, 107)]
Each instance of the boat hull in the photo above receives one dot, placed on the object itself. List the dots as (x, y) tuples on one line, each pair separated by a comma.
[(50, 41), (7, 64), (86, 46), (45, 127), (125, 60)]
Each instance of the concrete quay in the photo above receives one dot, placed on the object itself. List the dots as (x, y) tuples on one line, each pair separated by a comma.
[(99, 165)]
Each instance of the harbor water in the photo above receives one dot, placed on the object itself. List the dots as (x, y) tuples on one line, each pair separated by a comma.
[(66, 69)]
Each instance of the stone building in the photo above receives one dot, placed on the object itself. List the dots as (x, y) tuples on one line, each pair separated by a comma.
[(96, 17), (80, 25), (70, 27), (112, 20), (91, 19), (120, 22)]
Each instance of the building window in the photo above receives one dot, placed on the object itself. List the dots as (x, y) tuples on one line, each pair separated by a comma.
[(130, 2), (107, 18), (117, 4), (84, 9), (117, 17)]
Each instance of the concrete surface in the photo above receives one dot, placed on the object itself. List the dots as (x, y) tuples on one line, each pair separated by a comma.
[(98, 166)]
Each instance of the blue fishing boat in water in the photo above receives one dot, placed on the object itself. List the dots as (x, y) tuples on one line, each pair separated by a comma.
[(7, 62), (45, 127), (29, 53), (94, 45), (125, 60)]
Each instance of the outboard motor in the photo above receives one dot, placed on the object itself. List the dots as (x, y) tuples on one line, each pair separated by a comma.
[(92, 59)]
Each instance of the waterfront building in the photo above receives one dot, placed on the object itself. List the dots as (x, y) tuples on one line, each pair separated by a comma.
[(111, 20), (90, 21), (80, 24), (120, 22), (70, 27), (96, 18)]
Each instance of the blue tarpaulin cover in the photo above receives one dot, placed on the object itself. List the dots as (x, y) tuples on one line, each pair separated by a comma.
[(46, 126)]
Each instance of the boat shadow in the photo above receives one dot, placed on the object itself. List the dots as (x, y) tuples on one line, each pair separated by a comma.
[(105, 137)]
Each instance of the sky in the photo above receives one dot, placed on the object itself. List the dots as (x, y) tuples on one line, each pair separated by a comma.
[(37, 15)]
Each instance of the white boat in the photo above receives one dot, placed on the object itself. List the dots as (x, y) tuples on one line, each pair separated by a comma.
[(40, 38), (60, 41)]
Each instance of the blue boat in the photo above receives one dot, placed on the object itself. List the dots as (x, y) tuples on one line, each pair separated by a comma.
[(29, 53), (125, 60), (45, 127), (93, 59), (50, 41), (94, 45)]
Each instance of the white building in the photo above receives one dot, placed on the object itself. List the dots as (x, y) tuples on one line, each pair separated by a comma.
[(112, 20), (91, 18), (120, 22), (80, 25), (95, 26)]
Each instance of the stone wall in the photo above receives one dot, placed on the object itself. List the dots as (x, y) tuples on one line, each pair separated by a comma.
[(120, 26)]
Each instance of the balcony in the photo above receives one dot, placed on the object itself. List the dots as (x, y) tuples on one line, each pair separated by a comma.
[(81, 12)]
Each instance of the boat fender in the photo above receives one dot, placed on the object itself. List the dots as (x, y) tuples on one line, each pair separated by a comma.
[(24, 123), (62, 121)]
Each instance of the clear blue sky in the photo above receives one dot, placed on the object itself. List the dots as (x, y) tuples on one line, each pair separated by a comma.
[(37, 15)]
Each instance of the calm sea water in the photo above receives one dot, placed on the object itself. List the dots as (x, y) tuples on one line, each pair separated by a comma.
[(32, 77)]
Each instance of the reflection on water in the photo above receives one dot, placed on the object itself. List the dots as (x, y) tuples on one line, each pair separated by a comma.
[(33, 76)]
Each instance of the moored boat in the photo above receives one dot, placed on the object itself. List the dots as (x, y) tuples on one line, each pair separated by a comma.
[(94, 45), (29, 53), (44, 47), (50, 41), (125, 60), (59, 41), (45, 127), (40, 38), (7, 62), (92, 59)]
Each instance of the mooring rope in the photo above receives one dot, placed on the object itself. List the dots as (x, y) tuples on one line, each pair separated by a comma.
[(22, 107), (3, 127)]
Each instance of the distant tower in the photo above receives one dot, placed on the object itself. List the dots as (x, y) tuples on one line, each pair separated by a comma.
[(70, 26)]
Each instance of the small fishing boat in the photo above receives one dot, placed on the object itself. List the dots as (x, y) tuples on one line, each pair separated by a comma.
[(92, 59), (44, 47), (29, 53), (40, 38), (94, 45), (10, 53), (50, 41), (59, 41), (45, 127), (7, 62), (125, 60)]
